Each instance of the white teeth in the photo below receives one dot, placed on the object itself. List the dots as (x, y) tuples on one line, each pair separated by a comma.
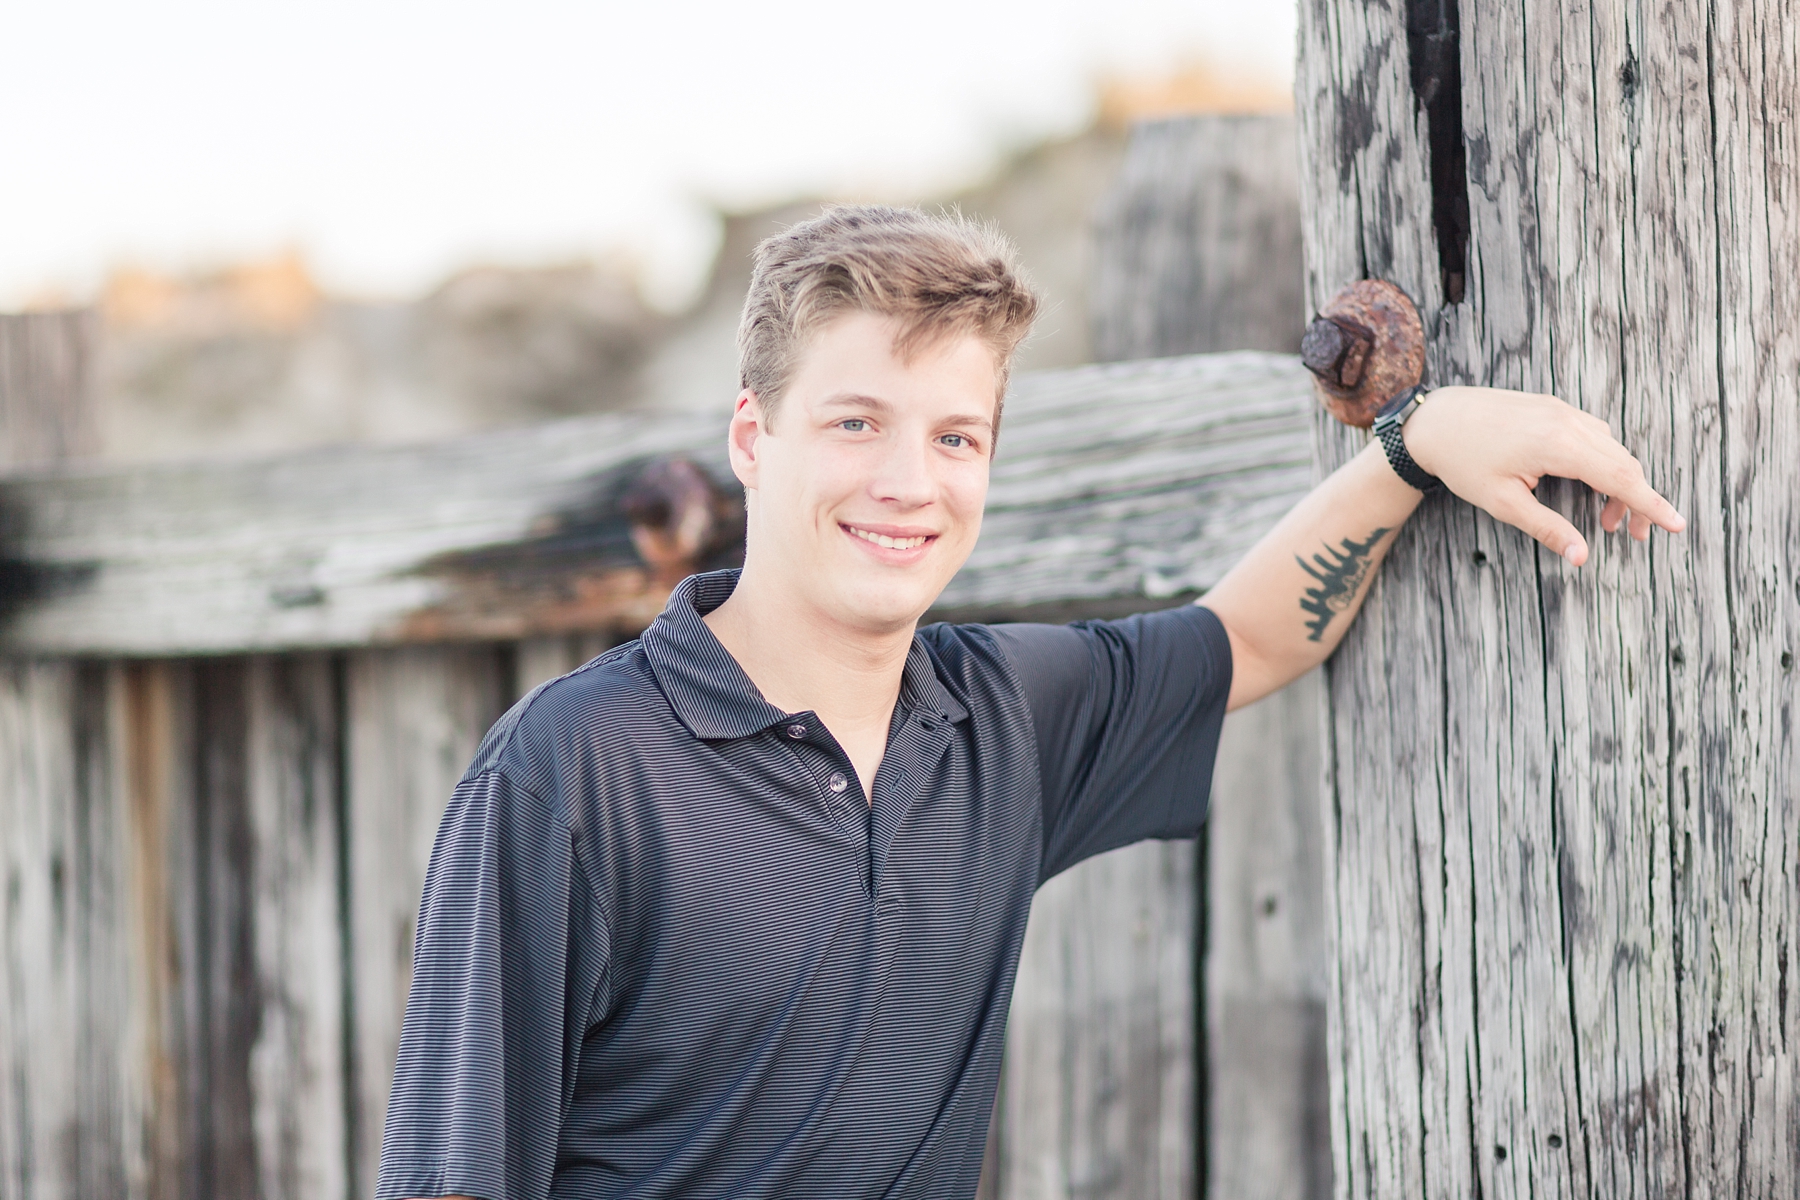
[(881, 539)]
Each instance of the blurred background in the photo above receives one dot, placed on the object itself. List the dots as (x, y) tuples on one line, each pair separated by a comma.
[(309, 224)]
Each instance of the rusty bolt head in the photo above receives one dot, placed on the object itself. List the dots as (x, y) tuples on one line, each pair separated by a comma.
[(1365, 347), (1335, 350), (680, 520)]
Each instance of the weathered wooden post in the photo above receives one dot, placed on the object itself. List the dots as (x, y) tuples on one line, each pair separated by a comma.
[(1565, 830), (1197, 244), (1117, 1028), (46, 388), (64, 926), (1199, 250)]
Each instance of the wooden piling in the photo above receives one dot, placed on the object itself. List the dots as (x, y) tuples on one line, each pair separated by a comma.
[(1565, 841)]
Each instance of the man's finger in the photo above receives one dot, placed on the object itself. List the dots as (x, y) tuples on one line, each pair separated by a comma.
[(1619, 475), (1614, 512), (1594, 425), (1521, 508)]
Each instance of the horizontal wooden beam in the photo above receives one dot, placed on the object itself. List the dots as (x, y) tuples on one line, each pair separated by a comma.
[(1125, 483)]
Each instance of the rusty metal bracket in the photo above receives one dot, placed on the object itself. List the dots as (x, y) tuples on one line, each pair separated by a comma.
[(681, 520), (1365, 346)]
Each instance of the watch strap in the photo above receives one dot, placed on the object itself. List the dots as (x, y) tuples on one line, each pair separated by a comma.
[(1389, 426)]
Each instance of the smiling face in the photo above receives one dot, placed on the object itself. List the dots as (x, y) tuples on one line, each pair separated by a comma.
[(865, 490)]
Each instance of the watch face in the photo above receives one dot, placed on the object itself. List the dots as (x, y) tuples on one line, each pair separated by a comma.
[(1398, 402)]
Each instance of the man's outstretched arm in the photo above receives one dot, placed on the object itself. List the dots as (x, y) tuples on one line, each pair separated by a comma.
[(1286, 606)]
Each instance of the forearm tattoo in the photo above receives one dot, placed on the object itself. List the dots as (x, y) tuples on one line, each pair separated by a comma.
[(1340, 574)]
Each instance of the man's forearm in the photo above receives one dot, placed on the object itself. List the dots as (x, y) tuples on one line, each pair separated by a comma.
[(1287, 604)]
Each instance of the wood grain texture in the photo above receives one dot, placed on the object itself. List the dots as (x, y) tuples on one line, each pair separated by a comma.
[(522, 533), (297, 1058), (1267, 1132), (415, 717), (488, 538), (185, 940), (1197, 243), (157, 727), (176, 1017), (215, 919), (1565, 814), (1099, 1085), (71, 1103)]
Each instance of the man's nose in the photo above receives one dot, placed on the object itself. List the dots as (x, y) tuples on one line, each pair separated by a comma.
[(904, 474)]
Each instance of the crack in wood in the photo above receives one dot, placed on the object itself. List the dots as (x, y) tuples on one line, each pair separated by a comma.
[(1434, 56)]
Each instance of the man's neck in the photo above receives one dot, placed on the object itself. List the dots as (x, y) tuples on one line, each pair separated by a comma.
[(801, 661)]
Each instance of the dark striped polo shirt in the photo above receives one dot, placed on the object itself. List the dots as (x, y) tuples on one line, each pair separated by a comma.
[(666, 948)]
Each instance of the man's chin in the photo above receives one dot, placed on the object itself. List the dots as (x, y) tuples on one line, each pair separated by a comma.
[(886, 606)]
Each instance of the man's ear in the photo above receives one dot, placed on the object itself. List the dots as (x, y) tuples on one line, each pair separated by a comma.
[(747, 429)]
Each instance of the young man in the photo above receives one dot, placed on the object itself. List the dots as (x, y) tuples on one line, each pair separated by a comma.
[(734, 910)]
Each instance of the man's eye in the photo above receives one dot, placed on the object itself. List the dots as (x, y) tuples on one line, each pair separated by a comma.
[(854, 425), (955, 441)]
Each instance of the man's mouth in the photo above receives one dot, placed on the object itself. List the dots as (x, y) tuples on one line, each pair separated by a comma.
[(886, 542)]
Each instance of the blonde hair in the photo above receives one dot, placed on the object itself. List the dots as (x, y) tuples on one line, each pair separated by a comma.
[(936, 274)]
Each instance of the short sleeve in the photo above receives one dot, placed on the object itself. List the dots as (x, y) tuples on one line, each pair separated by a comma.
[(1127, 716), (498, 1005)]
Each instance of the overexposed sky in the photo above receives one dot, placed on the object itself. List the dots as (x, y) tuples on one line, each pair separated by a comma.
[(395, 140)]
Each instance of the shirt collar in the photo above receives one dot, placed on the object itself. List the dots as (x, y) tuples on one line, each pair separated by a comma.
[(709, 691)]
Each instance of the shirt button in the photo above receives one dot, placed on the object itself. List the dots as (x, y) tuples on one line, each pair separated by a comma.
[(796, 731), (838, 782)]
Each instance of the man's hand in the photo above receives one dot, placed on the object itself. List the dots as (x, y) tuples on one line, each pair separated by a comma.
[(1491, 447), (1287, 604)]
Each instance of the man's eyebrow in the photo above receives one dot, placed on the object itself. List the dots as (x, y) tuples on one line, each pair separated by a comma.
[(877, 404), (858, 400)]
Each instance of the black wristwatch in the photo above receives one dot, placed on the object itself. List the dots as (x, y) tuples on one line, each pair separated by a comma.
[(1388, 422)]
